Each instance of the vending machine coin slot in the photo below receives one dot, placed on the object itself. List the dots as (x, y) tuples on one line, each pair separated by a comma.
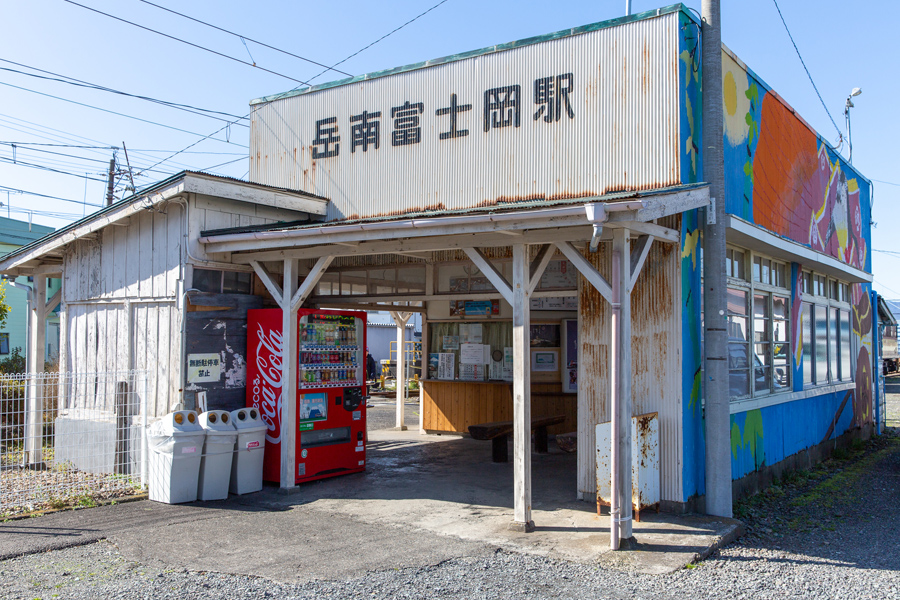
[(352, 399)]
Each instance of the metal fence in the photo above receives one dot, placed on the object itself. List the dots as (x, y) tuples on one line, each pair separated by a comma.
[(71, 438)]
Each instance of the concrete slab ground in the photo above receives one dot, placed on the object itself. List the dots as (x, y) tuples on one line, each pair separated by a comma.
[(424, 499)]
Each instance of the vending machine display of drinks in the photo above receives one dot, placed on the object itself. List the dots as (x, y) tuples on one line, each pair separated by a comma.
[(331, 392)]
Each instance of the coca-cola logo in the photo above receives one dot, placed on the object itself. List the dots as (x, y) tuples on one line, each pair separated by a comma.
[(267, 386)]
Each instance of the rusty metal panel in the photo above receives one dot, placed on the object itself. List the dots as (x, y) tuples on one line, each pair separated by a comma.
[(645, 476), (570, 116), (656, 360)]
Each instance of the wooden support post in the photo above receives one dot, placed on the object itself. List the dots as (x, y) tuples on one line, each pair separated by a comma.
[(521, 391), (289, 376), (34, 417), (620, 393), (401, 318)]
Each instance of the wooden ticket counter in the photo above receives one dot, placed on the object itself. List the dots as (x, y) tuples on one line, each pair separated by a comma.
[(468, 379), (451, 406)]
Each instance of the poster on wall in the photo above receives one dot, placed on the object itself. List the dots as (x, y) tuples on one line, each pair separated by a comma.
[(451, 342), (433, 360), (507, 374), (471, 372), (471, 354), (545, 335), (445, 365), (478, 308), (559, 274), (480, 284), (555, 303), (544, 360), (570, 355)]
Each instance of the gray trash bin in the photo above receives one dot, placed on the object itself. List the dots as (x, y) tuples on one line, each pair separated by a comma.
[(218, 450), (247, 467), (176, 445)]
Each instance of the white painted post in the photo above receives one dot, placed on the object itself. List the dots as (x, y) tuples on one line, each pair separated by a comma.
[(36, 351), (521, 391), (424, 373), (620, 392), (289, 376), (401, 318)]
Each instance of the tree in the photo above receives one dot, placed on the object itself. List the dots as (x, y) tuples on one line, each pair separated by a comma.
[(4, 307)]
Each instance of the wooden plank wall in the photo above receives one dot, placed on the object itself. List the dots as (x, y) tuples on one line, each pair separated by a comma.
[(451, 406)]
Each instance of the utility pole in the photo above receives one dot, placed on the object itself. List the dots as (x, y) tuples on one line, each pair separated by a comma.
[(110, 180), (718, 432), (128, 163)]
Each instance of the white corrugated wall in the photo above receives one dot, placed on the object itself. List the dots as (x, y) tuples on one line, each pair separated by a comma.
[(624, 134)]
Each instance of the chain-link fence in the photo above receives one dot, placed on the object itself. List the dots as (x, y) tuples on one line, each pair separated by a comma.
[(70, 438)]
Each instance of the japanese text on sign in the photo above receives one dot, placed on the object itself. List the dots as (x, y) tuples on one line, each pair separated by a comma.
[(502, 108)]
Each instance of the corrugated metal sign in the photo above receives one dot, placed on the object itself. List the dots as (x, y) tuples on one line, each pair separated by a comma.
[(574, 116)]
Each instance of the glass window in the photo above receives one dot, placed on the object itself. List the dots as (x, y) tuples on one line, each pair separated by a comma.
[(757, 268), (234, 282), (781, 349), (778, 278), (207, 280), (808, 327), (4, 343), (354, 283), (821, 344), (846, 353), (833, 372), (738, 347)]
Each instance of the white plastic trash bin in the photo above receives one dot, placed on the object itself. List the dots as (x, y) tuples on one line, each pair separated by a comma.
[(176, 445), (215, 466), (247, 467)]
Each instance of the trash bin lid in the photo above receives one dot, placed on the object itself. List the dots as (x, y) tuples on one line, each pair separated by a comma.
[(216, 420), (180, 421), (247, 418)]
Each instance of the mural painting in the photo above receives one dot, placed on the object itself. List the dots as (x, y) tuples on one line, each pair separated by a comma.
[(781, 176)]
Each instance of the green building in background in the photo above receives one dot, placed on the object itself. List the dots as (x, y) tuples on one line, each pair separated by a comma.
[(14, 234)]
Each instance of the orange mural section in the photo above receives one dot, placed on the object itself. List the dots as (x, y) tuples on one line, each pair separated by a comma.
[(784, 170)]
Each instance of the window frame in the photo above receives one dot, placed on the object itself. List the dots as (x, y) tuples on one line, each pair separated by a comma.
[(753, 266)]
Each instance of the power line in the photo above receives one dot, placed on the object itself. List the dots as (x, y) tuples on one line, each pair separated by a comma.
[(225, 163), (20, 191), (840, 135), (113, 112), (244, 37), (177, 39), (45, 168), (8, 143), (85, 158), (891, 252), (887, 182), (86, 84), (321, 73)]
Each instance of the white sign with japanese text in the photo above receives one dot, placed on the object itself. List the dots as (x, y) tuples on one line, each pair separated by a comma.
[(204, 368)]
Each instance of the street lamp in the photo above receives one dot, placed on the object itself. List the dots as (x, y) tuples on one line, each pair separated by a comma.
[(847, 107)]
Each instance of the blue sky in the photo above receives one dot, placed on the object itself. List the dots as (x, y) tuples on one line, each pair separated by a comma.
[(842, 48)]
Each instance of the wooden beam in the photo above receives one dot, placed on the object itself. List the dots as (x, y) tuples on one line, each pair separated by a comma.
[(586, 269), (268, 281), (544, 255), (350, 305), (52, 303), (433, 244), (491, 272), (639, 253), (521, 392), (310, 281), (662, 234)]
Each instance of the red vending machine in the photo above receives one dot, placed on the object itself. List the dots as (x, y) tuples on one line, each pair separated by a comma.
[(331, 408)]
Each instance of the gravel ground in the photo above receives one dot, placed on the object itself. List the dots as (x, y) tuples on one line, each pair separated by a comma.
[(821, 534)]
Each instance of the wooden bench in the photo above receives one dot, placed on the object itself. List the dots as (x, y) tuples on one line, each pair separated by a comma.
[(500, 431)]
